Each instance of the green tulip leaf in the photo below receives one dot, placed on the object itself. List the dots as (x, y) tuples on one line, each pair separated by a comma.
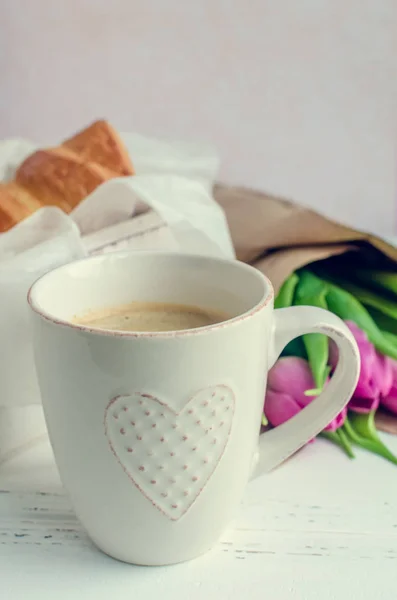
[(295, 347), (383, 321), (309, 284), (311, 291), (347, 307), (392, 337), (285, 296), (372, 299), (384, 280)]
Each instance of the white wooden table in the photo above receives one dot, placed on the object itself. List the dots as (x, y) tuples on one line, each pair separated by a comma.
[(320, 527)]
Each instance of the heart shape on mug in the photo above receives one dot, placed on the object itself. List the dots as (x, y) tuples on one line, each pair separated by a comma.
[(169, 455)]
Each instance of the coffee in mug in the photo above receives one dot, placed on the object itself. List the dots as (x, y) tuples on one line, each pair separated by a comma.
[(150, 316)]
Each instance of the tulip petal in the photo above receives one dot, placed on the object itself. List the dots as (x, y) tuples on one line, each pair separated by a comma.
[(338, 421), (384, 374), (359, 335), (375, 372), (368, 385), (292, 375), (361, 338), (363, 405), (390, 402), (333, 354), (280, 407)]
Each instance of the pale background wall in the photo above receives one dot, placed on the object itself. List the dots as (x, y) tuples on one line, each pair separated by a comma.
[(299, 97)]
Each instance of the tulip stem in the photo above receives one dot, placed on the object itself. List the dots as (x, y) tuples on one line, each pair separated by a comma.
[(360, 428), (314, 392), (339, 438)]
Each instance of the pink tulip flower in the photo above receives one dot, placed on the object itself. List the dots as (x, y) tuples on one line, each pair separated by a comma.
[(376, 376), (288, 381), (389, 401)]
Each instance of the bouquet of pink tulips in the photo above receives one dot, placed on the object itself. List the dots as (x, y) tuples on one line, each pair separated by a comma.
[(313, 260), (367, 301)]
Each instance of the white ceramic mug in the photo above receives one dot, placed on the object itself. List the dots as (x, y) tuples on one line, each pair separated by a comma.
[(156, 434)]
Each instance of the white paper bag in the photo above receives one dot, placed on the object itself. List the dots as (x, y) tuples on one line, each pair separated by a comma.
[(196, 222)]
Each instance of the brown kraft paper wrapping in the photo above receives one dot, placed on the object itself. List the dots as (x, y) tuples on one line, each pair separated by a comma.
[(278, 237)]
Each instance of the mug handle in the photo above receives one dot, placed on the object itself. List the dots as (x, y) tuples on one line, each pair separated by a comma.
[(278, 444)]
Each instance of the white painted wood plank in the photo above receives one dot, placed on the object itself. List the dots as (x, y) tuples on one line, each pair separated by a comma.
[(307, 531)]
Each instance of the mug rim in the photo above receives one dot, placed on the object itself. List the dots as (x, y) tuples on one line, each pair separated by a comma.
[(268, 295)]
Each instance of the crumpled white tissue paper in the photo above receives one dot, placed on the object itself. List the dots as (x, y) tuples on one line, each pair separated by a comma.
[(173, 179)]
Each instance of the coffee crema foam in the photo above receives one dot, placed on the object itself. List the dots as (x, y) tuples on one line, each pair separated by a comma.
[(151, 317)]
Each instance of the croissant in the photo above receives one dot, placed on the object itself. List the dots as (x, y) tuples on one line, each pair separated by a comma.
[(65, 175)]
